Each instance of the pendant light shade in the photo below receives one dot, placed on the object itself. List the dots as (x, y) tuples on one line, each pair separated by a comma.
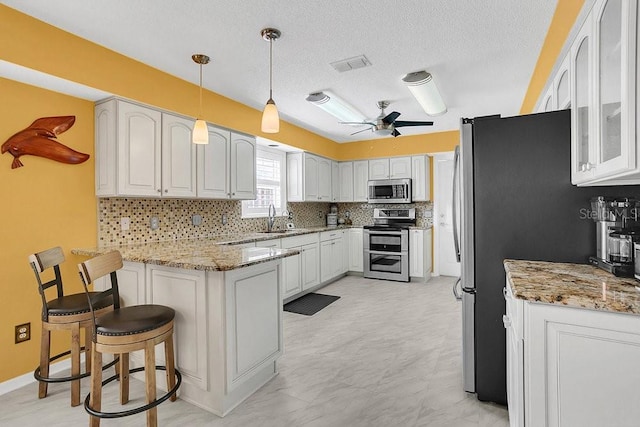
[(200, 133), (270, 116)]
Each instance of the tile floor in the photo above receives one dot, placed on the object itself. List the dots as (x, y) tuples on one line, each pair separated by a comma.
[(384, 354)]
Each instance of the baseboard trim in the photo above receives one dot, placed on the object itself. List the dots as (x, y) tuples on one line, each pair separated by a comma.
[(26, 379)]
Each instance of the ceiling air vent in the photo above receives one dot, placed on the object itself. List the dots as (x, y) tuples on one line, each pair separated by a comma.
[(351, 64)]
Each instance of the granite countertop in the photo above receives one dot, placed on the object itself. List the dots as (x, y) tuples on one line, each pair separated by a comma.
[(215, 253), (574, 285), (193, 254)]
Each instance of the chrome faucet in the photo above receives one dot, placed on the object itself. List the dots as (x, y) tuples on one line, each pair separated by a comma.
[(272, 217)]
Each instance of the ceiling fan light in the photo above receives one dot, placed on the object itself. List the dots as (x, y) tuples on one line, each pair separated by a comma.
[(200, 134), (424, 89), (336, 106), (270, 118)]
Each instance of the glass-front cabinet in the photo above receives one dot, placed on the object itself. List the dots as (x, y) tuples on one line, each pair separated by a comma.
[(603, 96), (582, 154)]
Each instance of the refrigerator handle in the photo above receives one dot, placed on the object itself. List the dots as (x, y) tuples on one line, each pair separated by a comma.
[(455, 290), (454, 201)]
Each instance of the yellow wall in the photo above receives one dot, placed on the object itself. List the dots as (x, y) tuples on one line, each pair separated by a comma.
[(44, 204), (400, 146), (565, 16)]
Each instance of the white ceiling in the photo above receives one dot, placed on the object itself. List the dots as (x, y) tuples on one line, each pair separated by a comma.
[(481, 53)]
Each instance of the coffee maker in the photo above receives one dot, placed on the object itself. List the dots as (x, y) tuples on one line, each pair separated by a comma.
[(616, 232)]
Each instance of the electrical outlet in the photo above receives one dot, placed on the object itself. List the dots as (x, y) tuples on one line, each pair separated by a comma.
[(224, 219), (320, 215), (23, 332), (196, 220), (125, 222), (154, 223)]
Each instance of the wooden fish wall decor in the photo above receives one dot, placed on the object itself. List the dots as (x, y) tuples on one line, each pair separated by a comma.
[(39, 139)]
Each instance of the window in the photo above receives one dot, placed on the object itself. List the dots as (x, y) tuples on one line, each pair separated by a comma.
[(270, 182)]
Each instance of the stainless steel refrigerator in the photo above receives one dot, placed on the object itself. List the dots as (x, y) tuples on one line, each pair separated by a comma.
[(513, 198)]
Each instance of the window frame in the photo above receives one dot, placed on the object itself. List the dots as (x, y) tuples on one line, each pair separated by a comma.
[(271, 154)]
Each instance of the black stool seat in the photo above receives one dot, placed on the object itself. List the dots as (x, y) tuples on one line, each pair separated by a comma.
[(134, 320), (76, 304)]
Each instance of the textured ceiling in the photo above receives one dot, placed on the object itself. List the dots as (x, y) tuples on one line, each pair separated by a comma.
[(481, 53)]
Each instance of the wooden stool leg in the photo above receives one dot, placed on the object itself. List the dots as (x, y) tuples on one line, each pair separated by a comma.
[(75, 364), (170, 365), (88, 340), (95, 401), (124, 378), (150, 380), (45, 343)]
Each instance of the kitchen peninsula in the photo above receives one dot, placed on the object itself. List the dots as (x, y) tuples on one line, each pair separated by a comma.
[(573, 345), (228, 302)]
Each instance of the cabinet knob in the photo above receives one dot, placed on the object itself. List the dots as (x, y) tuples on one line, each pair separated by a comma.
[(159, 190), (233, 194), (166, 191)]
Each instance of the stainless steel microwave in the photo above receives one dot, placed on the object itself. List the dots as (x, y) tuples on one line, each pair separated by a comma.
[(390, 191)]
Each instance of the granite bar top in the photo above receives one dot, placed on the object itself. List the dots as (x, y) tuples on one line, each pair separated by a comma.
[(574, 285), (193, 254), (214, 253)]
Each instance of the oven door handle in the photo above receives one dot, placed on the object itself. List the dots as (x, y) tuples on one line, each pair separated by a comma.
[(401, 253), (385, 233)]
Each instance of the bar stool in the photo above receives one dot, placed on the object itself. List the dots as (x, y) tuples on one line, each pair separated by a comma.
[(127, 329), (66, 312)]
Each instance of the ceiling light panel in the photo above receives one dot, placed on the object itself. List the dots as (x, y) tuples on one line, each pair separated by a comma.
[(336, 106)]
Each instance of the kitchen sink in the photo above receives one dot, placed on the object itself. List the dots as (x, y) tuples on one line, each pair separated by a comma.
[(276, 231)]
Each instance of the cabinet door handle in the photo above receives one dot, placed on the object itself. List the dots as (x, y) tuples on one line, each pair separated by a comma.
[(506, 321)]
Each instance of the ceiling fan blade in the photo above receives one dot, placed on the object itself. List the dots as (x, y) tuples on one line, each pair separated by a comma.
[(357, 123), (401, 123), (362, 130), (395, 133), (391, 117)]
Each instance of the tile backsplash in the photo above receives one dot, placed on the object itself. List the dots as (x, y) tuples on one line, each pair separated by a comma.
[(175, 218)]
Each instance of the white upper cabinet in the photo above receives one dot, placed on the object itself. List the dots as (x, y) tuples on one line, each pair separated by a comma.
[(213, 165), (242, 167), (390, 168), (360, 180), (345, 182), (335, 182), (561, 85), (143, 152), (420, 178), (138, 144), (308, 178), (227, 166), (603, 61), (324, 179), (178, 157), (379, 169), (582, 101)]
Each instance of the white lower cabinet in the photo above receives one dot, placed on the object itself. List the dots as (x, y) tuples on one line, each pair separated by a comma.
[(420, 253), (571, 366), (300, 272), (228, 327), (356, 251), (185, 292), (332, 256)]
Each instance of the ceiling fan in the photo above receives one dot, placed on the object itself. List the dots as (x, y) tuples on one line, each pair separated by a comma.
[(386, 124)]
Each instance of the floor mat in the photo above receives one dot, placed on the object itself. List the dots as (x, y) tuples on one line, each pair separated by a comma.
[(310, 304)]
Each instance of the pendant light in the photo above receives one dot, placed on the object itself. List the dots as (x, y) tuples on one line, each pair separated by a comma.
[(200, 134), (270, 116)]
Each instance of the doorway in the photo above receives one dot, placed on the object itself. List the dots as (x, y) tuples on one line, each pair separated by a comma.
[(445, 262)]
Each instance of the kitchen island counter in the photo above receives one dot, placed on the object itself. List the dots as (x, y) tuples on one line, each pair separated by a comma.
[(574, 285)]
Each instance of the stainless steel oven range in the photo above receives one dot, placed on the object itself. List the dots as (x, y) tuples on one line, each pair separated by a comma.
[(386, 244)]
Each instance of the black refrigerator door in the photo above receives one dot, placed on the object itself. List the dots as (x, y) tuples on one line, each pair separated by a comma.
[(525, 208)]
